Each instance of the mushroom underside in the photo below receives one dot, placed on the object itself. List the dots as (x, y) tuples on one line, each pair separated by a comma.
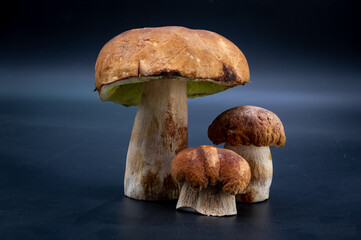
[(128, 92)]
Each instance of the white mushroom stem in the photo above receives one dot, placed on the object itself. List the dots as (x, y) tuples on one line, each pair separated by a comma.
[(260, 161), (160, 131), (211, 201)]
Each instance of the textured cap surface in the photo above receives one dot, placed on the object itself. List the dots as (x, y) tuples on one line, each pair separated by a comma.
[(148, 54), (207, 165), (247, 125)]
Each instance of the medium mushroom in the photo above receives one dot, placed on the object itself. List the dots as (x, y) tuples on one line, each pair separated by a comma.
[(158, 68), (249, 131), (209, 178)]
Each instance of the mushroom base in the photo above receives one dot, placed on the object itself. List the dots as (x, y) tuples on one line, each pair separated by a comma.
[(160, 131), (211, 201), (260, 161)]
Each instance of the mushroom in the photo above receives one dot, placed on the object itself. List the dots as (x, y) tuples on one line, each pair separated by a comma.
[(158, 68), (249, 131), (209, 178)]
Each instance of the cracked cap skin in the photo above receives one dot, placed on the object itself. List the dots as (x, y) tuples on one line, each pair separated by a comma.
[(207, 165), (209, 61), (247, 125)]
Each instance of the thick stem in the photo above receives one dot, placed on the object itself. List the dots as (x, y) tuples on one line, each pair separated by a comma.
[(160, 131), (260, 161), (211, 201)]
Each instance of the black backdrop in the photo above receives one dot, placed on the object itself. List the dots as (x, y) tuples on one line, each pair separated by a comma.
[(328, 27), (62, 152)]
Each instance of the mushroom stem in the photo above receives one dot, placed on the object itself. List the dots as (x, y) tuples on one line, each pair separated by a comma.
[(260, 161), (210, 201), (160, 131)]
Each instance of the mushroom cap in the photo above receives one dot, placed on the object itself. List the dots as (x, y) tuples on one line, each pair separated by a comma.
[(207, 165), (209, 62), (247, 125)]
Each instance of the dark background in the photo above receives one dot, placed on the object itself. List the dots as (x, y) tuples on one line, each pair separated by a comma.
[(62, 151)]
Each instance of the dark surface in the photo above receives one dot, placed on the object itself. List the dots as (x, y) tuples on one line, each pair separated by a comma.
[(63, 158), (62, 152)]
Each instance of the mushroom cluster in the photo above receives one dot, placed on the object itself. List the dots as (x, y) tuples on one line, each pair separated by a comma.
[(158, 68)]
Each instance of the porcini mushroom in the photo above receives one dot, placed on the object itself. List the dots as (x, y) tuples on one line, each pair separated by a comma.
[(158, 68), (249, 131), (209, 178)]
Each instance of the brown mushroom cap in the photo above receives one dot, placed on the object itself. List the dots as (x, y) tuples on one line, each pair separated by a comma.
[(247, 125), (210, 61), (207, 165)]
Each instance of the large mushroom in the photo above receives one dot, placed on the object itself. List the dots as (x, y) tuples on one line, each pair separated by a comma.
[(250, 131), (209, 178), (158, 68)]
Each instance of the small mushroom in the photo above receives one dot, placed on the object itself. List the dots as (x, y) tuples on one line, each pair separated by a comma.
[(158, 68), (209, 178), (249, 131)]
